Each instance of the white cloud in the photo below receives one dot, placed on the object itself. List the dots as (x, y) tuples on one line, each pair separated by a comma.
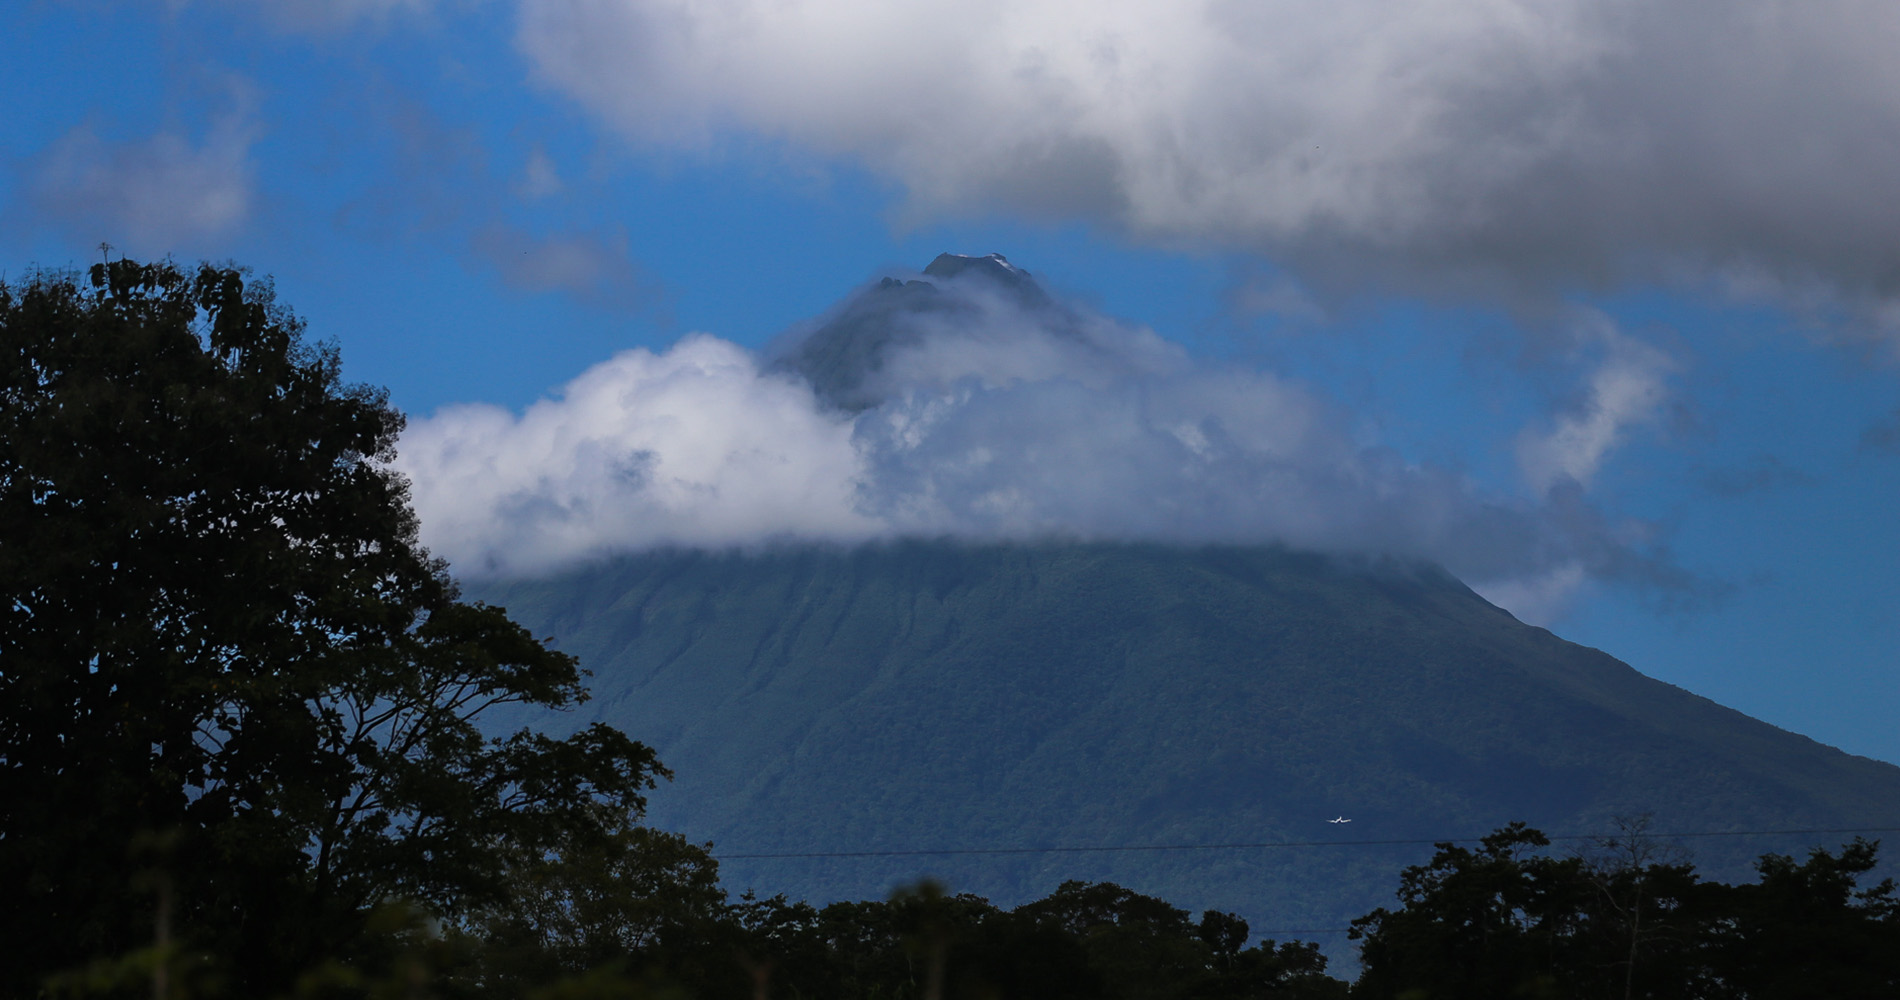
[(1547, 144), (690, 447)]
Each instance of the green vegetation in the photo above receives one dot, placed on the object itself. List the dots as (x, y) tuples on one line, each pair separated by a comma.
[(928, 694), (251, 742)]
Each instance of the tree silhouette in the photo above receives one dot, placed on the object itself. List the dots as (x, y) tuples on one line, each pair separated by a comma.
[(219, 632)]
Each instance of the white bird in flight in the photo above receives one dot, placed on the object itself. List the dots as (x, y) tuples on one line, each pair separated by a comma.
[(1341, 819)]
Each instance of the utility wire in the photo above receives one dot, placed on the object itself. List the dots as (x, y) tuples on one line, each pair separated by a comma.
[(1409, 842), (1278, 935)]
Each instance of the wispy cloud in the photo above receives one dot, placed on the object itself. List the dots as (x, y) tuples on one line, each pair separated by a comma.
[(1883, 436), (540, 178), (1534, 145), (153, 195), (1759, 474), (594, 267), (1627, 388), (1539, 598), (327, 16), (533, 230)]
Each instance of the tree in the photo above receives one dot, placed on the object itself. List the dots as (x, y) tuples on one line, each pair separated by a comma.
[(1507, 921), (1643, 928), (1483, 923), (220, 633), (1137, 943), (1808, 931), (640, 898), (1141, 947)]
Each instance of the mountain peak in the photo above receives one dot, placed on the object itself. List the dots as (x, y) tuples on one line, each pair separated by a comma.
[(843, 356), (994, 268), (951, 265)]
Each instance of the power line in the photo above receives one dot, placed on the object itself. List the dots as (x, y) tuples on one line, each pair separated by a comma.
[(1264, 845), (1277, 935)]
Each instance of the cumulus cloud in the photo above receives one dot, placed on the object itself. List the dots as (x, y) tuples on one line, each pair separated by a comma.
[(693, 446), (1517, 144), (982, 413), (152, 194)]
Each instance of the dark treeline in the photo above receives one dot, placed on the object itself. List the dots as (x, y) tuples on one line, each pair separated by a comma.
[(1627, 918), (1630, 919), (240, 756), (1085, 940)]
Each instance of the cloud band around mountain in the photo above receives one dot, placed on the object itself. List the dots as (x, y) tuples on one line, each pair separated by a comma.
[(975, 413)]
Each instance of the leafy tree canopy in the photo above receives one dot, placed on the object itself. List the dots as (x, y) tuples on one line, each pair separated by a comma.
[(220, 636), (1508, 920)]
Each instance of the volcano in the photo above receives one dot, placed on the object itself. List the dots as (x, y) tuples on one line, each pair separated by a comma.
[(1103, 699), (1248, 727)]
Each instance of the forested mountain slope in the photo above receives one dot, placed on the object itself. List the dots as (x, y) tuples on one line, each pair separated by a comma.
[(928, 695)]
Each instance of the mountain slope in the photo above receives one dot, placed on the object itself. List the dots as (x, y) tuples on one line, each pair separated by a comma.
[(933, 695)]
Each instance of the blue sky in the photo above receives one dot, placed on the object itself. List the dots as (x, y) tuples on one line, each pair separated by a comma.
[(1623, 276)]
